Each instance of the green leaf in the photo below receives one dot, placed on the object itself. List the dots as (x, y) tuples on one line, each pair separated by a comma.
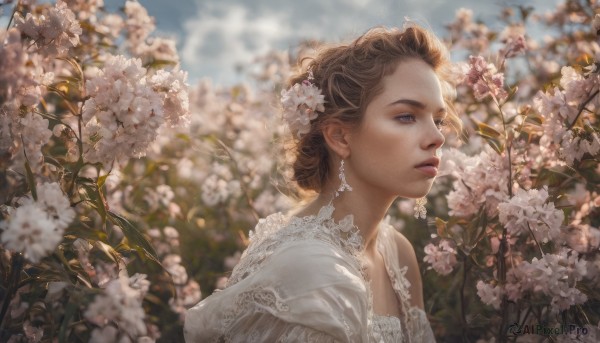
[(96, 199), (183, 137), (70, 312), (534, 119), (85, 232), (491, 136), (102, 180), (441, 227), (75, 65), (495, 144), (485, 130), (108, 251), (31, 180), (134, 236)]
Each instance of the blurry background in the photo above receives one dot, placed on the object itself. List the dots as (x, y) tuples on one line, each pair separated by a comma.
[(216, 38)]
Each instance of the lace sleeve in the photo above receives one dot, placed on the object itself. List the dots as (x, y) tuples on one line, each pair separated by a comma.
[(305, 292), (419, 326), (262, 327)]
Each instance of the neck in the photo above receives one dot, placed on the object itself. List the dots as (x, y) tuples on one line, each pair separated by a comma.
[(368, 211)]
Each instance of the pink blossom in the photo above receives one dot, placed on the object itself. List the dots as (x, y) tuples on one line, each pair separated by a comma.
[(576, 87), (514, 41), (485, 79), (554, 275), (442, 257), (528, 210), (490, 295), (480, 179), (574, 147)]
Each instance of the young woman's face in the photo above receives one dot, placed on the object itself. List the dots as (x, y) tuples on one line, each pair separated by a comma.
[(399, 133)]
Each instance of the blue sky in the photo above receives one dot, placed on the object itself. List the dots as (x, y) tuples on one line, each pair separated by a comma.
[(215, 35)]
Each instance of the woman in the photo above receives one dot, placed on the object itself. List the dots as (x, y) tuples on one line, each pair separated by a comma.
[(367, 123)]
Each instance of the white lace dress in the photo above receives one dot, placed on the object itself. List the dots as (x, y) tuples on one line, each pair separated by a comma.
[(301, 280)]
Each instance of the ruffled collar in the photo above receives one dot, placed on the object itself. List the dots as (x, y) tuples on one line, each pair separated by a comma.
[(348, 233)]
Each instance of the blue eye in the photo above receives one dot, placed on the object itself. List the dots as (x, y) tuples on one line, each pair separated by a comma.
[(406, 118)]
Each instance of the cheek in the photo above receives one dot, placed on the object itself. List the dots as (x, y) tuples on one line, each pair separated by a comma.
[(384, 143)]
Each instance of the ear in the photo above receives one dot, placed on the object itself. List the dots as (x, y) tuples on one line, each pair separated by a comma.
[(337, 137)]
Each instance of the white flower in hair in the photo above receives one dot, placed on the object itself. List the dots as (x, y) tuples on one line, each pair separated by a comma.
[(301, 104)]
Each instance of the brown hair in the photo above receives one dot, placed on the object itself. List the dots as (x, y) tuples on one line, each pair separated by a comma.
[(350, 77)]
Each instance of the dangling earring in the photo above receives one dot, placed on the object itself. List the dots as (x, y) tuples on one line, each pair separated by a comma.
[(344, 186), (420, 210)]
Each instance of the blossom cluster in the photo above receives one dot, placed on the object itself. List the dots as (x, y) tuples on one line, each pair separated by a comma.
[(554, 275), (559, 107), (301, 104), (81, 89), (187, 290), (527, 211), (485, 79), (120, 303), (124, 111), (442, 257), (523, 204), (53, 32), (36, 227), (481, 181)]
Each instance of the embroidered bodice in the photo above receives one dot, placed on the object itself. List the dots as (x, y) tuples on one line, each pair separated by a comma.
[(301, 280)]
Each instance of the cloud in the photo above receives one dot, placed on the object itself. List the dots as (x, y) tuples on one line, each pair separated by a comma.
[(224, 35), (227, 33)]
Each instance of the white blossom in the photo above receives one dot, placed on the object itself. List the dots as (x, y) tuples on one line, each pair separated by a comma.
[(158, 50), (123, 113), (138, 24), (29, 230), (54, 202), (172, 264), (54, 32), (174, 89), (120, 303), (33, 132), (301, 104), (36, 227)]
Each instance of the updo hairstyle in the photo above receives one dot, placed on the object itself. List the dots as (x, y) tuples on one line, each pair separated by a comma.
[(350, 77)]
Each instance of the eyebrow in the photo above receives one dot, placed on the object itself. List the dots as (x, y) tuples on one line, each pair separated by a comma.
[(417, 104)]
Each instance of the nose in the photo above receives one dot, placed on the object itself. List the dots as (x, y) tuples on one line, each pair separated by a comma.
[(434, 138)]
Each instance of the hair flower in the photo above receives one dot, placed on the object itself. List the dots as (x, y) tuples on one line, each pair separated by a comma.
[(301, 104)]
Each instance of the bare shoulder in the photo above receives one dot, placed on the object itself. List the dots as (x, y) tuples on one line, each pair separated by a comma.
[(407, 257)]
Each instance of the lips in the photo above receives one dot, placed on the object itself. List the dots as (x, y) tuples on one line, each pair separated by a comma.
[(429, 167), (434, 162)]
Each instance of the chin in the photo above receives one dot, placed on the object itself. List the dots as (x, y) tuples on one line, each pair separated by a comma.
[(415, 193)]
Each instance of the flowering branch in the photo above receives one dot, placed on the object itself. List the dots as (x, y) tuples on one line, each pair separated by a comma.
[(581, 108)]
